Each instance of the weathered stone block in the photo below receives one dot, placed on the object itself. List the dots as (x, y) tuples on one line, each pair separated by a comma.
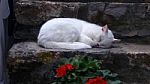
[(35, 13), (125, 19), (124, 58), (85, 1), (26, 32)]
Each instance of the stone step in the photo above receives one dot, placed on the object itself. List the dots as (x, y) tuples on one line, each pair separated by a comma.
[(85, 1), (36, 12), (125, 19), (131, 61)]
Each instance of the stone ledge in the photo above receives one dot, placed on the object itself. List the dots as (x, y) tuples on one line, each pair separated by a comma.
[(130, 61), (132, 54), (86, 1)]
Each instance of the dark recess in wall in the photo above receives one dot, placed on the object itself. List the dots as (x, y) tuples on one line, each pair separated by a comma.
[(11, 24), (11, 19)]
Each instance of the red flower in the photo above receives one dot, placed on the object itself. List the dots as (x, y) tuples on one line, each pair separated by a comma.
[(61, 71), (68, 66), (97, 80)]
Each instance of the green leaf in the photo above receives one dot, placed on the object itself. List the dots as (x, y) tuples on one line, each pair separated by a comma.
[(84, 68), (83, 80), (113, 75), (105, 73)]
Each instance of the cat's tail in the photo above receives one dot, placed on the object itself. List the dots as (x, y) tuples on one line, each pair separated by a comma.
[(64, 45)]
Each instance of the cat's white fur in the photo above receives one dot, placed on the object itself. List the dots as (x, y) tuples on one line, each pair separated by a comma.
[(71, 33)]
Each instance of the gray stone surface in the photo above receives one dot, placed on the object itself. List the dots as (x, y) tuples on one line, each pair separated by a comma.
[(137, 54), (26, 32), (128, 20), (130, 61), (34, 13), (123, 1), (125, 19)]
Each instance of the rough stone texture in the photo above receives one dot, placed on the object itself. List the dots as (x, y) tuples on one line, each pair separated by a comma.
[(136, 53), (124, 58), (85, 1), (125, 19), (129, 20), (34, 13), (26, 32)]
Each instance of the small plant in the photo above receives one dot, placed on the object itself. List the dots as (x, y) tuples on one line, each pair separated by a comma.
[(81, 70)]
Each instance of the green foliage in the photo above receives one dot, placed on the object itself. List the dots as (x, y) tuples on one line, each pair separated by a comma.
[(84, 68)]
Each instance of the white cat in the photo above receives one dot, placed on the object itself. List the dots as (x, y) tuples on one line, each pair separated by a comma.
[(71, 33)]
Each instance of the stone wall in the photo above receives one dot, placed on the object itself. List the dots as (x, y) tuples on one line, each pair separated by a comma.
[(128, 21), (125, 19), (85, 1)]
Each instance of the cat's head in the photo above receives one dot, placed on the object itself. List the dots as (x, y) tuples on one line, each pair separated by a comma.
[(106, 33), (106, 37)]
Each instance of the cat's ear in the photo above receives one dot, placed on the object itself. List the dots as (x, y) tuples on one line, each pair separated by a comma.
[(105, 28)]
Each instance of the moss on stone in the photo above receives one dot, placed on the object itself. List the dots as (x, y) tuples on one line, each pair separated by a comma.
[(46, 57)]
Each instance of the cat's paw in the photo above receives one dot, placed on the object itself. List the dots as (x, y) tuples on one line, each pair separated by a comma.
[(96, 45)]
